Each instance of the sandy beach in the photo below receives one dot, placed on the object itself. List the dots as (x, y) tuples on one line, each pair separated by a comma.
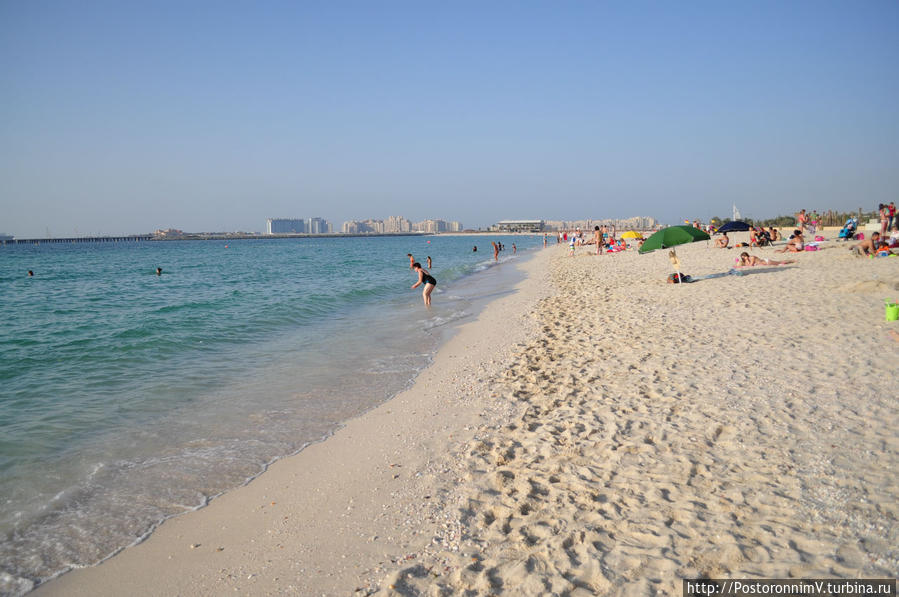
[(595, 432)]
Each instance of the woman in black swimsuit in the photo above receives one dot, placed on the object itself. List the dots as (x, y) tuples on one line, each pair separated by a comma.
[(427, 279)]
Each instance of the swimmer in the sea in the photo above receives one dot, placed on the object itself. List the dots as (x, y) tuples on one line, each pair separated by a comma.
[(428, 280), (158, 271)]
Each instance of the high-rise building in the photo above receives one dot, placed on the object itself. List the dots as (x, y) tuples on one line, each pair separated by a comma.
[(297, 226), (397, 224), (317, 226), (432, 226), (284, 226)]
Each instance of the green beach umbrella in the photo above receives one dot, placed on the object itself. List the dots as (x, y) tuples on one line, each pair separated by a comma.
[(673, 236)]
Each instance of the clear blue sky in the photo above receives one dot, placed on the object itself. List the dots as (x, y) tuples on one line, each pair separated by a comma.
[(123, 117)]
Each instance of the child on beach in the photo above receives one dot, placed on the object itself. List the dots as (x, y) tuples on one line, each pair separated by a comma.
[(424, 277)]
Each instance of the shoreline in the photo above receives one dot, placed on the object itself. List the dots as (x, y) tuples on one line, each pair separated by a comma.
[(339, 510), (627, 434)]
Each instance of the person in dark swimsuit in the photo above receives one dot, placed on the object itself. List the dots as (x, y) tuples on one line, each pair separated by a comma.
[(427, 279)]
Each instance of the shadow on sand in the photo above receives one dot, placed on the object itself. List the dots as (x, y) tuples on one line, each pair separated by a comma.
[(742, 272)]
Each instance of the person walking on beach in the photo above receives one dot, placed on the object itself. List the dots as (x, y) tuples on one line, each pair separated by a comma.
[(884, 219), (495, 250), (424, 277), (597, 239)]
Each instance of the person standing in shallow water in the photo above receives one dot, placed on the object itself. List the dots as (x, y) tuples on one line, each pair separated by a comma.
[(429, 262), (411, 260), (424, 277)]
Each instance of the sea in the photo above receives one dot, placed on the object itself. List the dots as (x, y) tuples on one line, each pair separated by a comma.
[(128, 397)]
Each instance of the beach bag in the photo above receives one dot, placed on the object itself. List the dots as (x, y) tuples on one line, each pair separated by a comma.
[(860, 236), (673, 279), (811, 248)]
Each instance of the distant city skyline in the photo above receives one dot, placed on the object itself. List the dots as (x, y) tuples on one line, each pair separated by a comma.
[(119, 118)]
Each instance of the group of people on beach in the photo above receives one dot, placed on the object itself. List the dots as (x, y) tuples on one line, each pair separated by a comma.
[(758, 237), (430, 282), (878, 245), (603, 239)]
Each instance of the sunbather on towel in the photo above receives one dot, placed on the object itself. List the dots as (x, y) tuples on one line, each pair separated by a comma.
[(748, 260)]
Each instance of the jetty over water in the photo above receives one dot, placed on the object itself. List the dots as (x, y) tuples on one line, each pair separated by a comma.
[(226, 236), (77, 239)]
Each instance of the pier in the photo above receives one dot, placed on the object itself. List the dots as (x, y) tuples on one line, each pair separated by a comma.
[(77, 239)]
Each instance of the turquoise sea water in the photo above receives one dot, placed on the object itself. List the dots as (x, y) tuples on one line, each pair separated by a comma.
[(127, 397)]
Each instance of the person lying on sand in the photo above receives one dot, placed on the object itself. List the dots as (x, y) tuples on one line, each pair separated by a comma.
[(747, 260), (722, 242), (867, 246)]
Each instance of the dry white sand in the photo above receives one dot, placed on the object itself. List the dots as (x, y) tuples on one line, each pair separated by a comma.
[(733, 427), (597, 432)]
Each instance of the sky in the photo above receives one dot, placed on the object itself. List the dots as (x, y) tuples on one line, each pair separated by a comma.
[(124, 117)]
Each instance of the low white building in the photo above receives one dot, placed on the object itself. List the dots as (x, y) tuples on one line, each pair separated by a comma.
[(518, 226)]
